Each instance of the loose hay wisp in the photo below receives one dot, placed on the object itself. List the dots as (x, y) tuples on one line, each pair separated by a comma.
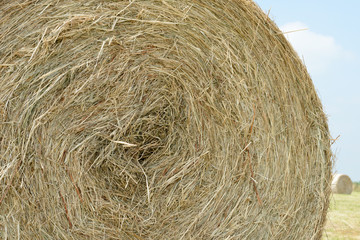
[(156, 120), (342, 184)]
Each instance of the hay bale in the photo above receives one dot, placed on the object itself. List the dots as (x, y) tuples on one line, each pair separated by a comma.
[(342, 184), (157, 120)]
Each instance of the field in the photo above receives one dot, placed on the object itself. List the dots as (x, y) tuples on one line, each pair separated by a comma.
[(344, 217)]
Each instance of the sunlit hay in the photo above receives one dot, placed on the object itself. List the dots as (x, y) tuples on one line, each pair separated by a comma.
[(156, 120), (342, 184)]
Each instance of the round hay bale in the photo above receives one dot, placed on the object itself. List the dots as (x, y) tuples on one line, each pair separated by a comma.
[(342, 184), (157, 120)]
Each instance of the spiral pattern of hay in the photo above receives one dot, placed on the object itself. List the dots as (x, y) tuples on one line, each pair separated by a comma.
[(156, 120), (342, 184)]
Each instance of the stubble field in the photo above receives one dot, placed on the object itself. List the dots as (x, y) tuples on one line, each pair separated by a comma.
[(343, 218)]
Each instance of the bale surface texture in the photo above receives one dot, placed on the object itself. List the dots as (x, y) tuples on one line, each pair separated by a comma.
[(156, 120), (342, 184)]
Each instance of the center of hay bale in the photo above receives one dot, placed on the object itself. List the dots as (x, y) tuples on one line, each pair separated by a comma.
[(157, 120)]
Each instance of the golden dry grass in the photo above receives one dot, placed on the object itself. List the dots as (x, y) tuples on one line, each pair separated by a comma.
[(343, 218), (342, 184), (156, 120)]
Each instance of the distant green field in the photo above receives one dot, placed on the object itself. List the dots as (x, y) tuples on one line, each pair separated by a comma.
[(344, 217), (356, 186)]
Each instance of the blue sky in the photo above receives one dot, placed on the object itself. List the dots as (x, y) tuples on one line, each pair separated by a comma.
[(330, 48)]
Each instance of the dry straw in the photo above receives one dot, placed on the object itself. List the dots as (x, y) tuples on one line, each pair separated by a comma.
[(156, 119), (342, 184)]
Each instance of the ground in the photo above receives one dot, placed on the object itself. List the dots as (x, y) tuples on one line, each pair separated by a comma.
[(343, 218)]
